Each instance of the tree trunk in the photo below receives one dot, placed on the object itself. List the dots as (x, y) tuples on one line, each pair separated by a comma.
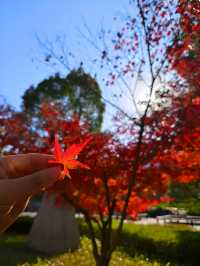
[(102, 261), (54, 229)]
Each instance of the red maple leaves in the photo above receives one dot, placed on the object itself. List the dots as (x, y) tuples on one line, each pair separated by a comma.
[(67, 158)]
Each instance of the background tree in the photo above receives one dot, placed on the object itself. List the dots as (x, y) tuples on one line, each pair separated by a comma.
[(77, 94)]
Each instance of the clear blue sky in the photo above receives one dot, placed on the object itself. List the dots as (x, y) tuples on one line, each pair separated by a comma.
[(21, 20)]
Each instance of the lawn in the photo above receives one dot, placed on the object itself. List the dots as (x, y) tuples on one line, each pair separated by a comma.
[(150, 245)]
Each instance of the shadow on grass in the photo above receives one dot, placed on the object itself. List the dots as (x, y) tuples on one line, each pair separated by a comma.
[(183, 251), (14, 251), (13, 247)]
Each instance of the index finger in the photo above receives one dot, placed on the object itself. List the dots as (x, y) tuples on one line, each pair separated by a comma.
[(13, 166)]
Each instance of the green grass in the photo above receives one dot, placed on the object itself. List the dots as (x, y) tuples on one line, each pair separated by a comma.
[(149, 245)]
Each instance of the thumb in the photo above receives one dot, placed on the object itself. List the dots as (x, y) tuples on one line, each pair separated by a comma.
[(12, 190)]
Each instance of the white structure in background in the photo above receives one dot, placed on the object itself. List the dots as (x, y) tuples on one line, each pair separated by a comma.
[(54, 229)]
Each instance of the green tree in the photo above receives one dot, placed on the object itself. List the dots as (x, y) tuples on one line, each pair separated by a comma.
[(78, 93), (187, 196)]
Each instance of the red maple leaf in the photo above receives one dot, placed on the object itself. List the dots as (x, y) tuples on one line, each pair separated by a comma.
[(67, 158)]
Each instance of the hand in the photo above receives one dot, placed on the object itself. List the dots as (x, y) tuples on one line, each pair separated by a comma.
[(22, 176)]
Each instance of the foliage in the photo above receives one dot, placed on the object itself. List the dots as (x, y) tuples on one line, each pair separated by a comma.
[(185, 50), (183, 157)]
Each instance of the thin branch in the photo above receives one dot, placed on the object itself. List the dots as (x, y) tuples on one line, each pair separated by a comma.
[(92, 234), (52, 53), (146, 39)]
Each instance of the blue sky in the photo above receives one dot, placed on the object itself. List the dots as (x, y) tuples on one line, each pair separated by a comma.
[(21, 20)]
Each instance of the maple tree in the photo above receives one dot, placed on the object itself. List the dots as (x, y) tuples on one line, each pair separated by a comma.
[(99, 193), (135, 183)]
